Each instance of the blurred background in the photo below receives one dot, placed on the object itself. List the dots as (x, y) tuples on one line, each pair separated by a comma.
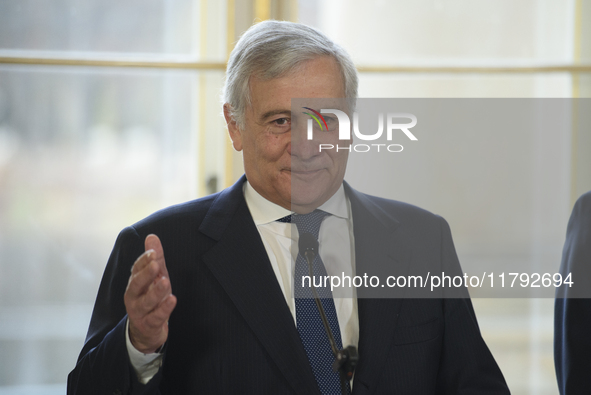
[(110, 110)]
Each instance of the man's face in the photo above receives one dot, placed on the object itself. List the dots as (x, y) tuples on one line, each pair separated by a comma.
[(279, 162)]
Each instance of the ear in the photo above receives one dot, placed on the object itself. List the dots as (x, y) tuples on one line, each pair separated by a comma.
[(233, 129)]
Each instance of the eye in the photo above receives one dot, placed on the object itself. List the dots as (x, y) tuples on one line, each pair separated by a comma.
[(331, 122), (281, 121)]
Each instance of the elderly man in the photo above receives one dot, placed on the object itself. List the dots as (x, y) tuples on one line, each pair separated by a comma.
[(209, 305)]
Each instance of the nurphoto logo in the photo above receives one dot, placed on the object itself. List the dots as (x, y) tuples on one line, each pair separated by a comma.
[(340, 120)]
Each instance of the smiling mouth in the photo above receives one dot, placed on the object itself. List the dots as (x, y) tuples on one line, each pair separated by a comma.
[(304, 172)]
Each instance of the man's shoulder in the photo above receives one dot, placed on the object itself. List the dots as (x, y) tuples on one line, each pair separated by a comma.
[(400, 206), (180, 216), (581, 213), (192, 213), (584, 201), (402, 212)]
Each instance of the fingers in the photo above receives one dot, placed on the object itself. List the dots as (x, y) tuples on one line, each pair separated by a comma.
[(161, 314), (151, 332), (152, 242), (142, 261), (154, 255), (140, 281), (148, 299), (157, 292)]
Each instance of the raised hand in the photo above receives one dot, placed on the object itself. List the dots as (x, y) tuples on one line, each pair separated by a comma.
[(148, 299)]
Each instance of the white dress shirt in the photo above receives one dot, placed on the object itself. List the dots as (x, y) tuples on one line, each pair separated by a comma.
[(336, 248)]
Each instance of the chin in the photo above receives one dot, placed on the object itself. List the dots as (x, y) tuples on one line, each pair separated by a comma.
[(309, 199)]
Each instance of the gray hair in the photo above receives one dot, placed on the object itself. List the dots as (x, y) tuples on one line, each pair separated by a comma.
[(271, 49)]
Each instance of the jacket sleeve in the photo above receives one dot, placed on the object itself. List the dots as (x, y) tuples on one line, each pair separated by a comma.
[(572, 309), (103, 366)]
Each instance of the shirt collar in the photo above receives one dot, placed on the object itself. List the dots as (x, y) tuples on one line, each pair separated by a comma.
[(264, 211)]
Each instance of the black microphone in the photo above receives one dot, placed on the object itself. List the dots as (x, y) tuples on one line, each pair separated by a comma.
[(308, 246), (345, 359)]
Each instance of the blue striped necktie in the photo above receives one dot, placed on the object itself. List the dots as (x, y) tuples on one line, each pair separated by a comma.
[(309, 323)]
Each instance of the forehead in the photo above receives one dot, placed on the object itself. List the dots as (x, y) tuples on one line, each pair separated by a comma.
[(320, 77)]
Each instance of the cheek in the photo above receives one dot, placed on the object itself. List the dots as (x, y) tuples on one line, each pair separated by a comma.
[(339, 160), (273, 146)]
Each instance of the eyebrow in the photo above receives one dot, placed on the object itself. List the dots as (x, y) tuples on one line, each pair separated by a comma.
[(271, 113)]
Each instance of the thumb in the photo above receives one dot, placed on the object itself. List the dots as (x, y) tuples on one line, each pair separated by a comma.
[(152, 242)]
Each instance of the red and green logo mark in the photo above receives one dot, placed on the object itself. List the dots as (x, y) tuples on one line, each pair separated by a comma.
[(316, 117)]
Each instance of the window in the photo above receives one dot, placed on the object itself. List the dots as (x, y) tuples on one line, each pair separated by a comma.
[(110, 110)]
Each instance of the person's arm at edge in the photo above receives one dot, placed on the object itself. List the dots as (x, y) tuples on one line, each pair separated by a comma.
[(572, 316)]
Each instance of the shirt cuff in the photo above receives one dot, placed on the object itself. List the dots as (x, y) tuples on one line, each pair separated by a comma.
[(145, 365)]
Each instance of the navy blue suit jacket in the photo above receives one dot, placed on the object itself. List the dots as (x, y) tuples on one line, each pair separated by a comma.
[(572, 313), (232, 332)]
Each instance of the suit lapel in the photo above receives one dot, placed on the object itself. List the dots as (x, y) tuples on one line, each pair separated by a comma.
[(240, 263), (378, 246)]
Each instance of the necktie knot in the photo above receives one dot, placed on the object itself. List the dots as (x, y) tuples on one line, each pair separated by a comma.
[(306, 223)]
